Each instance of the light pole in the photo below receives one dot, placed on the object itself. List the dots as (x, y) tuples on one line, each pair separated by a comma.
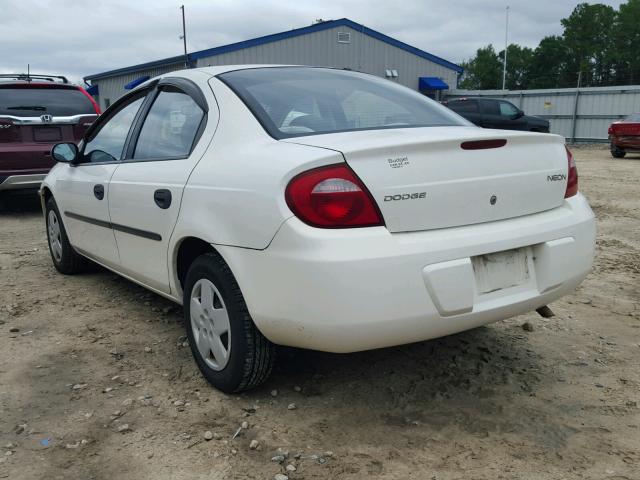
[(184, 38), (506, 40)]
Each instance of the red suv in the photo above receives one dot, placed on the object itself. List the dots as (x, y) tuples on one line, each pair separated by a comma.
[(36, 112)]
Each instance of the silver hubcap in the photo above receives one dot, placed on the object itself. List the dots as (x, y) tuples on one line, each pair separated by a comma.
[(55, 239), (210, 324)]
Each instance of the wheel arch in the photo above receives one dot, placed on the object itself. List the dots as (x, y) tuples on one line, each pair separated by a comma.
[(186, 250), (45, 195)]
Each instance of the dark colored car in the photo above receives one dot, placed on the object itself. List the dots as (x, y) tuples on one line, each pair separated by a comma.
[(495, 113), (624, 135), (36, 112)]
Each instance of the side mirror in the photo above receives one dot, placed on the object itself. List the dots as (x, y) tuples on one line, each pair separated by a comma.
[(65, 152), (520, 114)]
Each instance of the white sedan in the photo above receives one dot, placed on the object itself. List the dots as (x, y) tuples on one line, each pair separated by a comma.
[(315, 208)]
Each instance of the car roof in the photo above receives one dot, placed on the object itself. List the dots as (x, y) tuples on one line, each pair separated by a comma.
[(219, 69), (4, 83)]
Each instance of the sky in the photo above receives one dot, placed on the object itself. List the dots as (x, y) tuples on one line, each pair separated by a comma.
[(78, 38)]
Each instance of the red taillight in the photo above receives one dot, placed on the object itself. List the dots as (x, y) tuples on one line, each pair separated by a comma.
[(96, 107), (332, 197), (610, 131), (572, 176)]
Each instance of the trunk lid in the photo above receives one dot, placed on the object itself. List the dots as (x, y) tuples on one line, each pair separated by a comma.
[(421, 178), (625, 128)]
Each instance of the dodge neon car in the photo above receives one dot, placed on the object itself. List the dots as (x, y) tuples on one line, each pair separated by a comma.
[(315, 208)]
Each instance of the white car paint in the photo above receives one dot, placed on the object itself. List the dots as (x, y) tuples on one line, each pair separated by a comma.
[(344, 290)]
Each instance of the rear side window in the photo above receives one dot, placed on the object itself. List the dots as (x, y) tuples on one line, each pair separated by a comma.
[(490, 107), (170, 127), (464, 106), (33, 101), (298, 101)]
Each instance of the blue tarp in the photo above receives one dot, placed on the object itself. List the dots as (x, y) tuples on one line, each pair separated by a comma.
[(432, 83), (134, 83)]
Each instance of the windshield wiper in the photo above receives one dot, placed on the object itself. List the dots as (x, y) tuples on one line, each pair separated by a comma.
[(27, 107)]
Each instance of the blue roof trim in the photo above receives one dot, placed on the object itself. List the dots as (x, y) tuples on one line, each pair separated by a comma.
[(138, 81), (318, 27), (432, 83), (93, 90)]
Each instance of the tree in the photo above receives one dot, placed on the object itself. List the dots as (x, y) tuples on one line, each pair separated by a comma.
[(482, 72), (548, 63), (518, 66), (589, 41), (626, 37)]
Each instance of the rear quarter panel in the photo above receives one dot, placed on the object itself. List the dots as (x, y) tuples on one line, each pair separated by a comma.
[(235, 195)]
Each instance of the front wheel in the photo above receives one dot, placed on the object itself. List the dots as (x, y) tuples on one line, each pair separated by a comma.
[(64, 257), (617, 152), (230, 351)]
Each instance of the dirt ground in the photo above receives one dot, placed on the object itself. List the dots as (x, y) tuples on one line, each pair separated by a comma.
[(97, 383)]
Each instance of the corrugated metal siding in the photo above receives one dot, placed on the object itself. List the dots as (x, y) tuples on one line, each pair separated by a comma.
[(112, 88), (597, 107), (363, 53), (322, 48)]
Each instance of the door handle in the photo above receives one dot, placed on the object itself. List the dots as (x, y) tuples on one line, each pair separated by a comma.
[(98, 191), (162, 197)]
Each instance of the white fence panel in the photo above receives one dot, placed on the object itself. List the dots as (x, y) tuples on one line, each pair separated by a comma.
[(581, 115)]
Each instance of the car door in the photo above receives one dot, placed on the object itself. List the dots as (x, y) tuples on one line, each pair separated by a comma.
[(511, 116), (146, 189), (82, 190)]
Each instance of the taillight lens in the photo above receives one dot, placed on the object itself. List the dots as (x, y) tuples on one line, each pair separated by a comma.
[(572, 176), (332, 197)]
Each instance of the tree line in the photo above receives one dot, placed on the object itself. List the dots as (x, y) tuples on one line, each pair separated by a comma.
[(599, 44)]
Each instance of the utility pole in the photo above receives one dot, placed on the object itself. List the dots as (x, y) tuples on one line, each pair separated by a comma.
[(506, 40), (184, 39), (574, 117)]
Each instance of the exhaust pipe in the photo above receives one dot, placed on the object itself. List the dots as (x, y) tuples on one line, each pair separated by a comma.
[(545, 312)]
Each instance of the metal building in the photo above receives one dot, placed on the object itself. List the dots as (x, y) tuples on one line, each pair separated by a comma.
[(335, 43)]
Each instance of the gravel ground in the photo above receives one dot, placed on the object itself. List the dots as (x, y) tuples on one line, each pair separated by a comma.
[(97, 383)]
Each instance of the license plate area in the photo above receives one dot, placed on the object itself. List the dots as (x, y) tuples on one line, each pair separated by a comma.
[(501, 270), (47, 134)]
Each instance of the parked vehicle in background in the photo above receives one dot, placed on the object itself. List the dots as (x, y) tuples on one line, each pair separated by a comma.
[(36, 112), (496, 113), (624, 136), (316, 208)]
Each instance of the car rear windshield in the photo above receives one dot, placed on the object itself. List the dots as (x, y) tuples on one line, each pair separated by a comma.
[(634, 117), (300, 101), (33, 101)]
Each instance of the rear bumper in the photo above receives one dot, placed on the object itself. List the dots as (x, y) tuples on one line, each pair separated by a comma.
[(626, 142), (359, 289), (17, 182)]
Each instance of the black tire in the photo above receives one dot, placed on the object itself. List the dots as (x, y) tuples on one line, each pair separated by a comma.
[(251, 356), (68, 261), (617, 152)]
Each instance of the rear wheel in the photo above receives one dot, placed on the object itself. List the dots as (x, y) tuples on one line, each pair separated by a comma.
[(228, 348), (617, 152), (64, 257)]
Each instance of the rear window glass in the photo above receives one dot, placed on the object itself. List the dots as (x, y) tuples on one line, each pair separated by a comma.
[(634, 117), (299, 101), (33, 102)]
